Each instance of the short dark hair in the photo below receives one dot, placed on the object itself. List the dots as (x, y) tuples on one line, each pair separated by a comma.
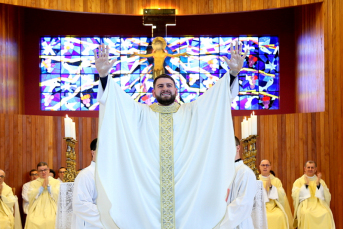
[(61, 168), (310, 162), (237, 141), (164, 76), (93, 144), (42, 163), (53, 172), (33, 170)]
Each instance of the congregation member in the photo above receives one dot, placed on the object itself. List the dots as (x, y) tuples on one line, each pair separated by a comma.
[(43, 195), (61, 173), (7, 202), (26, 186), (241, 194), (52, 173), (279, 213), (311, 200), (85, 211)]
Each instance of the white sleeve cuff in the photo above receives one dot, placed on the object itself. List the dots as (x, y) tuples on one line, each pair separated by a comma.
[(265, 196), (41, 189), (234, 87), (320, 193), (273, 193), (304, 193)]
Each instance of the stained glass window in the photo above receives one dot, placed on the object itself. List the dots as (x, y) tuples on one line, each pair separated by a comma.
[(69, 80)]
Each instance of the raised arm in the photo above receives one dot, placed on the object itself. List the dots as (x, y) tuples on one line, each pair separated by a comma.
[(177, 55), (143, 55)]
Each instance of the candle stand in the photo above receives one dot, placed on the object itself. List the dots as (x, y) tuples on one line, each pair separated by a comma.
[(249, 153), (70, 174)]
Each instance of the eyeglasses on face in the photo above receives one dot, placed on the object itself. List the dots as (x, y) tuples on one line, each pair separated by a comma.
[(2, 177), (265, 165), (62, 172), (34, 174), (43, 170)]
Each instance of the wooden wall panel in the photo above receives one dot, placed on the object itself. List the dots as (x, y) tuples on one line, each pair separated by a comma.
[(27, 140), (135, 7), (288, 141), (309, 60), (10, 77)]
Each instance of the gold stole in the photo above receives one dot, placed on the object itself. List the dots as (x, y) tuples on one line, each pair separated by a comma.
[(166, 163)]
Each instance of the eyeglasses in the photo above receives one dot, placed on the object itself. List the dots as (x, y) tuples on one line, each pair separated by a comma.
[(263, 165), (62, 172), (2, 177), (43, 170), (34, 174)]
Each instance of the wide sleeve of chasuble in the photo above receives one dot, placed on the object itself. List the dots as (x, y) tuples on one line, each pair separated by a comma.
[(6, 208), (127, 165), (283, 200), (204, 157)]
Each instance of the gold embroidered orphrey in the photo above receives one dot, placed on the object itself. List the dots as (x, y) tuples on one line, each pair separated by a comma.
[(166, 164)]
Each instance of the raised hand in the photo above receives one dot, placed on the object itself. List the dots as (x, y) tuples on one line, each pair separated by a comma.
[(45, 182), (102, 64), (268, 184), (236, 62), (319, 177)]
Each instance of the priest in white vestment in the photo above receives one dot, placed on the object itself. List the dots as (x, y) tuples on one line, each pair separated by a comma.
[(25, 191), (85, 210), (165, 165), (240, 197)]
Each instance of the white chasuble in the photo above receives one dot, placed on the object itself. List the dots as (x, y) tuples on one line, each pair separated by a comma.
[(164, 167)]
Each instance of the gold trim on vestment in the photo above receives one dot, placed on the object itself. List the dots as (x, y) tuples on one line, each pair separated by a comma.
[(166, 163)]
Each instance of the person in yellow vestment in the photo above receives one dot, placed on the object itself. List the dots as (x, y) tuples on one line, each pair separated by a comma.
[(7, 201), (279, 213), (311, 199), (43, 196)]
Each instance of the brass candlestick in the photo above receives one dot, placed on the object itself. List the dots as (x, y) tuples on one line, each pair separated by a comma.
[(70, 174), (249, 153)]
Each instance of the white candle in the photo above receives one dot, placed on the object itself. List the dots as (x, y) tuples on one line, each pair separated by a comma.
[(245, 128), (242, 129), (253, 124), (73, 131), (67, 126), (249, 127)]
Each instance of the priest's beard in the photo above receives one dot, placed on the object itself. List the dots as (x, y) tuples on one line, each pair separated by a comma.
[(166, 100)]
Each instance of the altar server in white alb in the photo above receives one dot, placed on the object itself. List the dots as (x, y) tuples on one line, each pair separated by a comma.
[(85, 211), (240, 197), (165, 165)]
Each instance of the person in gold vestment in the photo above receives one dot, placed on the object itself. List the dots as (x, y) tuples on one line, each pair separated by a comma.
[(311, 199), (7, 201), (279, 213), (43, 196)]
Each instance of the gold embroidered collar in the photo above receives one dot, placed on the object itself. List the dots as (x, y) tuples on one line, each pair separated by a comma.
[(165, 109)]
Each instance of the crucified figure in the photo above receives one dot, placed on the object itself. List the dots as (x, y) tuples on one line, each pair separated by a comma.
[(159, 55)]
